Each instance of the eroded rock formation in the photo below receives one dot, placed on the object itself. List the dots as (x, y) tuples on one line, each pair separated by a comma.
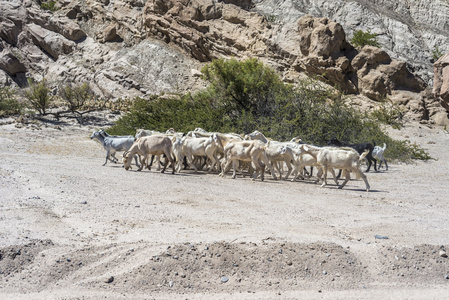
[(441, 81), (129, 48)]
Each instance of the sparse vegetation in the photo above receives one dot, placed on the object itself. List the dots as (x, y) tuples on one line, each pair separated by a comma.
[(9, 105), (48, 5), (364, 38), (271, 18), (247, 96), (76, 96), (436, 53), (39, 95), (390, 114)]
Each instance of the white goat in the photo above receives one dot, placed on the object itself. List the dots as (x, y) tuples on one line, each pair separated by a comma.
[(151, 145), (246, 151), (280, 154), (112, 144), (276, 160), (378, 152), (196, 147), (301, 161), (142, 132), (346, 159)]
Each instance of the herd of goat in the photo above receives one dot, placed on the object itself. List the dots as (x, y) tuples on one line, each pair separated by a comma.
[(253, 152)]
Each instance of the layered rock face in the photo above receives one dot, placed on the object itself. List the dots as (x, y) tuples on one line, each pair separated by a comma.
[(128, 48)]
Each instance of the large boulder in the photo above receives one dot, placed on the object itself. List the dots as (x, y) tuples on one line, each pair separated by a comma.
[(325, 52), (10, 63), (378, 75), (441, 80), (51, 42)]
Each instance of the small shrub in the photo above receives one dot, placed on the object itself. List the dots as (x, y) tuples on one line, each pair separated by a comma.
[(8, 104), (76, 97), (48, 5), (364, 38), (271, 18), (389, 114), (39, 95), (436, 53)]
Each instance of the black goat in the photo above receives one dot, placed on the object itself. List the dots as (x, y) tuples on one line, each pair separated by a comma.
[(360, 148)]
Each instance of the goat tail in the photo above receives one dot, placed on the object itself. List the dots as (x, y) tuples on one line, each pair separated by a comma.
[(385, 147), (365, 153)]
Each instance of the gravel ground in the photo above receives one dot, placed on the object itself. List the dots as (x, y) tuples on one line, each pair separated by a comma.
[(74, 229)]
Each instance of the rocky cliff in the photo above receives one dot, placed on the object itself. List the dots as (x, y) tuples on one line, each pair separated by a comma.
[(408, 30), (128, 48)]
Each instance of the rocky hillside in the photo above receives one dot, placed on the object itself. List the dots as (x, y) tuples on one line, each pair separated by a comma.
[(128, 48), (408, 30)]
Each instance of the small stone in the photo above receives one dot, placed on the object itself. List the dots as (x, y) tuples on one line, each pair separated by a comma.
[(446, 277), (224, 279), (110, 279), (443, 253), (83, 202), (381, 237), (289, 263), (170, 284), (324, 272)]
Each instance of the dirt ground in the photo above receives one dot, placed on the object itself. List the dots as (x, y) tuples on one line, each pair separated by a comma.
[(74, 229)]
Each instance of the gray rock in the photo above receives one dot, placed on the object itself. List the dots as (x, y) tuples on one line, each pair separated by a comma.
[(381, 237)]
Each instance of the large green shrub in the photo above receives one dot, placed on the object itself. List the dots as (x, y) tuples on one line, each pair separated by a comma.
[(247, 96)]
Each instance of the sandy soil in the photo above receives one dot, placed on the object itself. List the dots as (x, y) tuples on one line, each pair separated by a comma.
[(74, 229)]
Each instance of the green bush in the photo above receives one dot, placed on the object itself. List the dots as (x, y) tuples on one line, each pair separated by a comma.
[(436, 53), (48, 5), (8, 104), (364, 38), (39, 96), (389, 114), (77, 97), (247, 96)]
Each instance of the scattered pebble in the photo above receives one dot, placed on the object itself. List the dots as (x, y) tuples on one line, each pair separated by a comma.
[(443, 253), (83, 202), (381, 237), (110, 279), (170, 284), (224, 279)]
